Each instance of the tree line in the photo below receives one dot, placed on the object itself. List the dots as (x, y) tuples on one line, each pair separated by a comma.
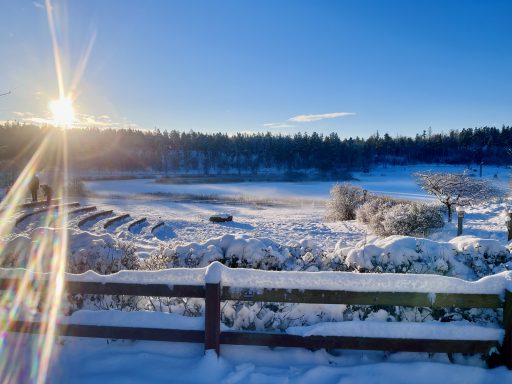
[(174, 152)]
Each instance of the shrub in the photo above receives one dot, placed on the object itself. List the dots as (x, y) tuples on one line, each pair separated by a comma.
[(386, 216), (373, 211), (412, 219), (345, 199)]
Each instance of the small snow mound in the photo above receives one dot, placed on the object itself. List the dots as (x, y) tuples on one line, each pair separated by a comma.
[(471, 245), (213, 273), (231, 250)]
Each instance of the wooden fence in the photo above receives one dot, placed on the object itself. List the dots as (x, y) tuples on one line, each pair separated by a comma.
[(215, 293)]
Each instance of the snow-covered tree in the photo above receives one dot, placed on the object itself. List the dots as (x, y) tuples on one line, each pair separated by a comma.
[(456, 189)]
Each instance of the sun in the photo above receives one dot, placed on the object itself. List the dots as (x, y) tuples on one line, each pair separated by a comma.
[(62, 111)]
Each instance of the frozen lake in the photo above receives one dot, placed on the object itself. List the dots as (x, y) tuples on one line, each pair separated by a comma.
[(393, 181)]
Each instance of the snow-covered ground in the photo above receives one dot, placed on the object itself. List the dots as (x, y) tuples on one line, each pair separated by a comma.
[(276, 215), (96, 361)]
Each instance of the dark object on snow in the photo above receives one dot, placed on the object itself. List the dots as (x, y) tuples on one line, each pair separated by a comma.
[(34, 186), (221, 218)]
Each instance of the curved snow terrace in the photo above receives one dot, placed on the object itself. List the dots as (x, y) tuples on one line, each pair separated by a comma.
[(257, 279)]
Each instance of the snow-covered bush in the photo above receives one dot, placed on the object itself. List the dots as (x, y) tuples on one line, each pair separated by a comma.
[(412, 219), (372, 212), (466, 257), (345, 199), (386, 216), (15, 252), (244, 251), (103, 254)]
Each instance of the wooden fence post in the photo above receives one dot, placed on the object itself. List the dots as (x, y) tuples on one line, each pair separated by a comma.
[(212, 317), (507, 324), (509, 226), (460, 220)]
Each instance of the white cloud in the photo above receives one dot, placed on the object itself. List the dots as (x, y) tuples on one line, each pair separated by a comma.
[(22, 114), (309, 118), (82, 120), (278, 125), (38, 5)]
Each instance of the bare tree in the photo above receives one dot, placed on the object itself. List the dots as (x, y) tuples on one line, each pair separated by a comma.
[(454, 189)]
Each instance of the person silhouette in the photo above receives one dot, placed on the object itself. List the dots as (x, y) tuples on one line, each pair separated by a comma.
[(34, 186)]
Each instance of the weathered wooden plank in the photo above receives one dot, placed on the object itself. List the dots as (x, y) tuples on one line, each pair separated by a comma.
[(115, 219), (136, 222), (212, 317), (507, 324), (412, 299), (46, 209), (162, 290), (76, 287), (157, 226), (359, 343), (37, 203), (83, 210), (111, 332), (94, 216)]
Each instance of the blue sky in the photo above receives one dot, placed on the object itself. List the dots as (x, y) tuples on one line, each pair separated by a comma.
[(351, 67)]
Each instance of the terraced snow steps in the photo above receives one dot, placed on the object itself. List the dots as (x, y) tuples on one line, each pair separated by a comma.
[(46, 209), (34, 204), (94, 216), (37, 203), (116, 219), (159, 225), (134, 223), (83, 210)]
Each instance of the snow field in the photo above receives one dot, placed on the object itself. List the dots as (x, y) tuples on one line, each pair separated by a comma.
[(297, 239)]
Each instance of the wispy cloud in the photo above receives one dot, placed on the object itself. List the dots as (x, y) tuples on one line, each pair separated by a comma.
[(22, 114), (310, 118), (37, 5), (278, 125)]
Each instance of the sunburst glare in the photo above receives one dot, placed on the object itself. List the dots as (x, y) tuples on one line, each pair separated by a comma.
[(63, 113), (28, 304)]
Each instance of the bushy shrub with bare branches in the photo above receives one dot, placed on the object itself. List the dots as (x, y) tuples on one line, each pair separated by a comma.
[(345, 199), (373, 211), (412, 219), (386, 216)]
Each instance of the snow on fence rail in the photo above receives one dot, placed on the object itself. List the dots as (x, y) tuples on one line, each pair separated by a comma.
[(217, 283)]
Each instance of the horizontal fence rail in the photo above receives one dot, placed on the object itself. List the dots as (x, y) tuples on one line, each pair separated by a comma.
[(406, 299), (214, 293), (130, 289)]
